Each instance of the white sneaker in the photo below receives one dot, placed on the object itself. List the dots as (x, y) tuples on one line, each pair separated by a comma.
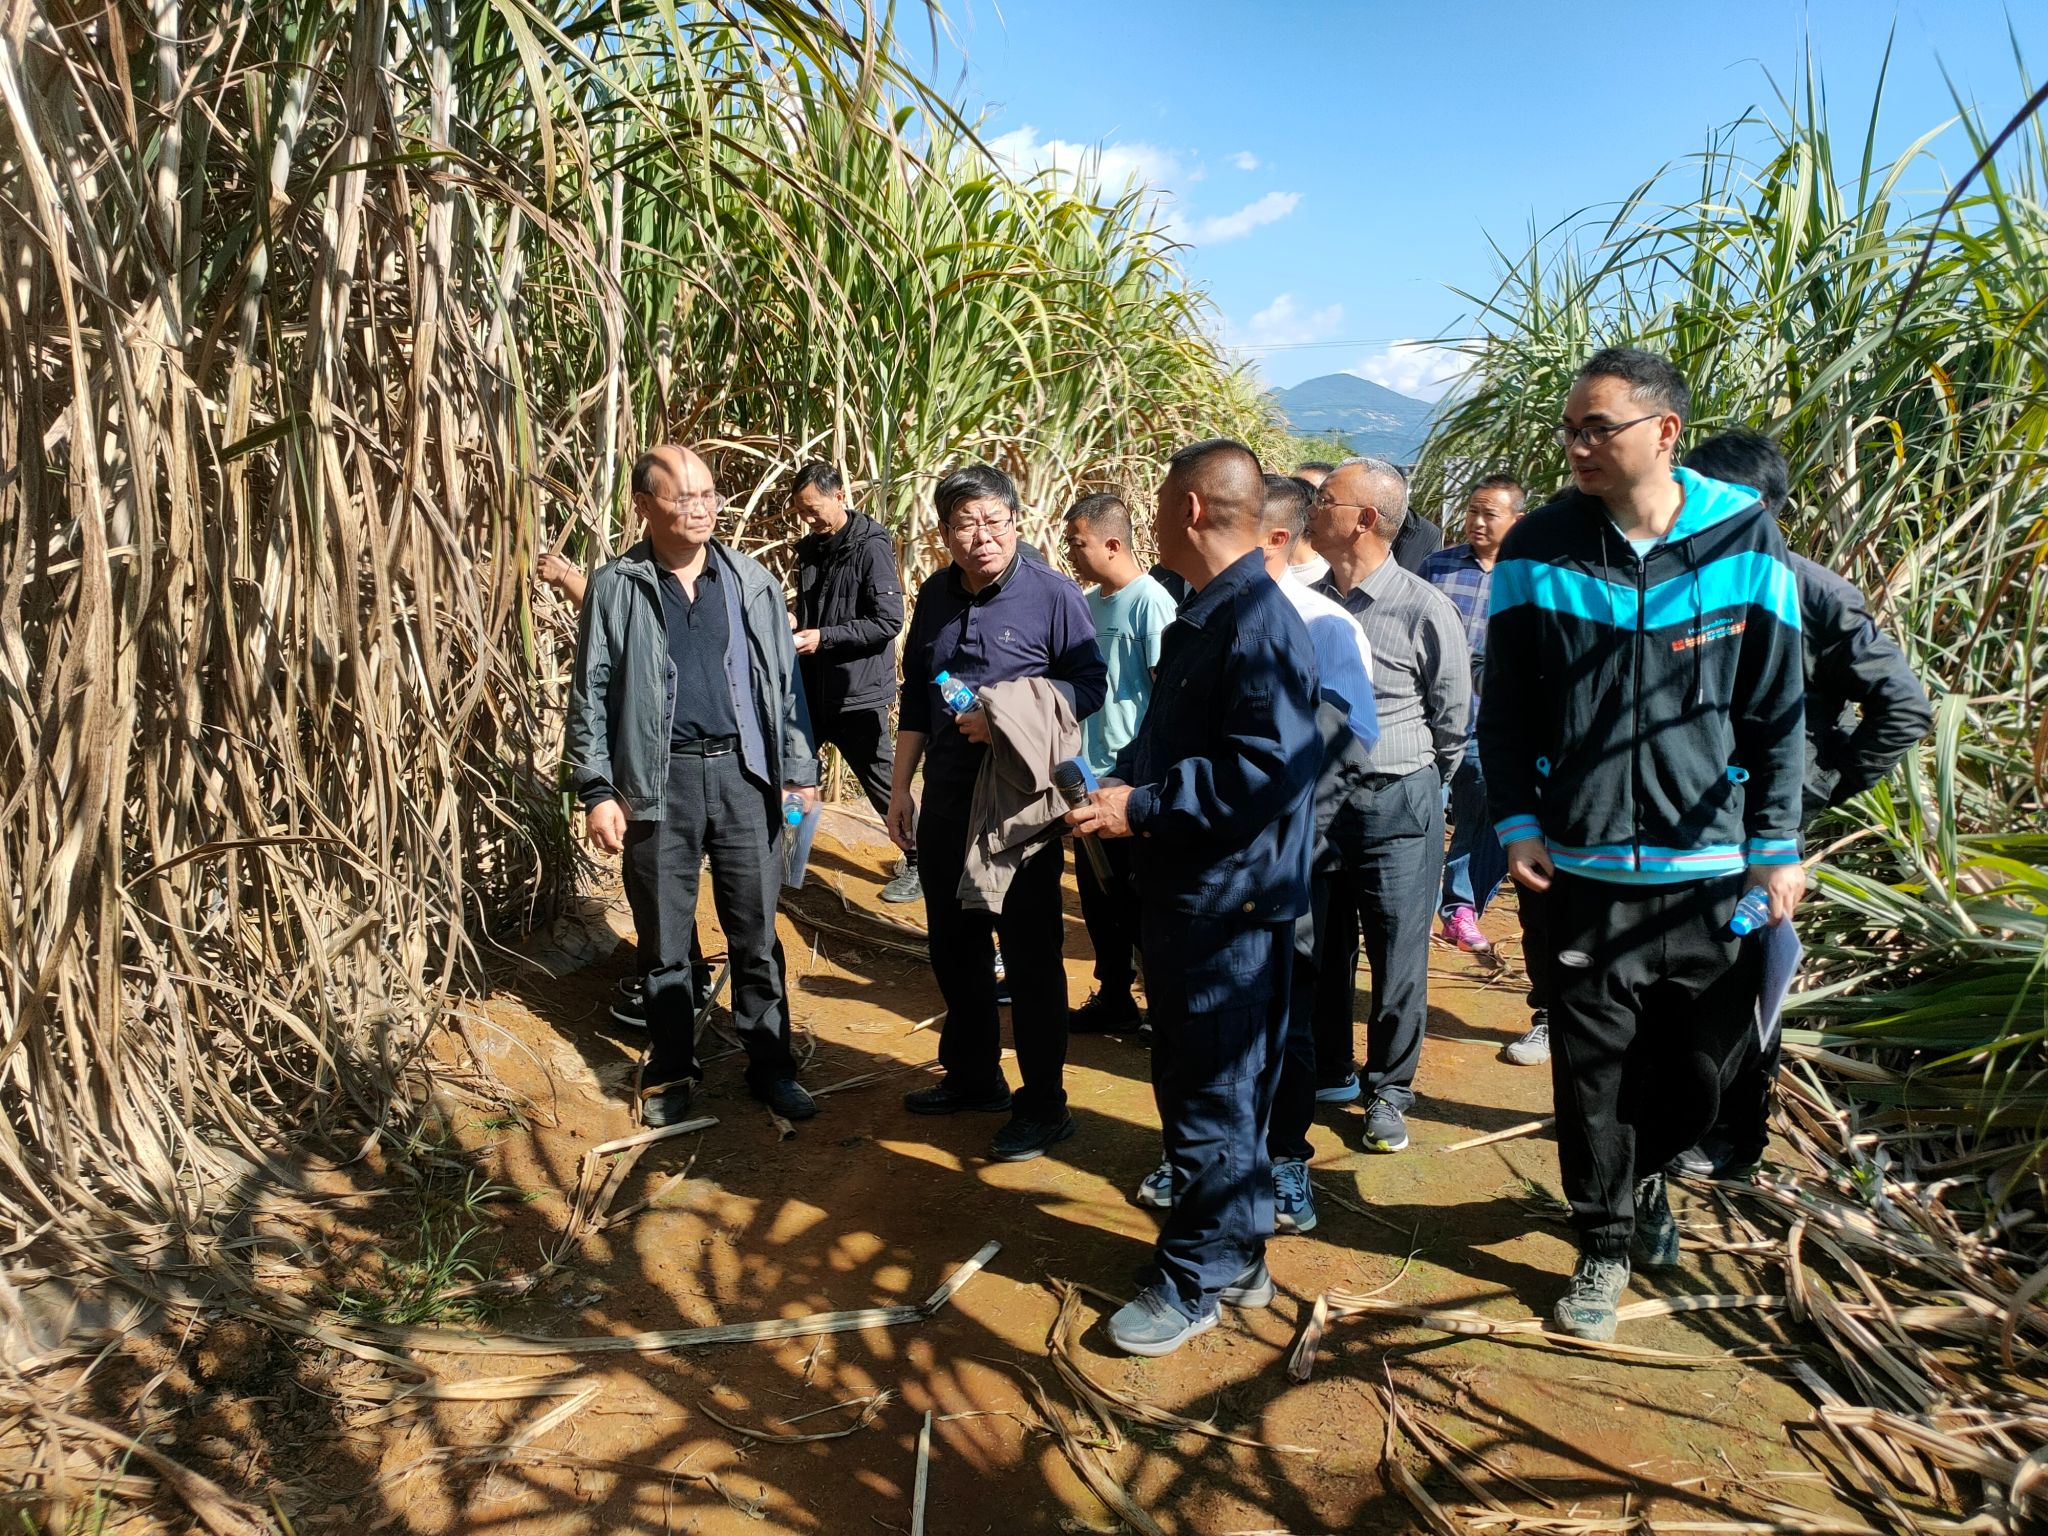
[(1157, 1190), (1533, 1049)]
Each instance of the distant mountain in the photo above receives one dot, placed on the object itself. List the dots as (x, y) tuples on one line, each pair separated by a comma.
[(1368, 417)]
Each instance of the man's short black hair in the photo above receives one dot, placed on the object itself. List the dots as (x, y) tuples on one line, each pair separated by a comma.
[(1288, 498), (816, 476), (1742, 457), (1652, 380), (1321, 466), (974, 482), (643, 472), (1106, 513), (1507, 483), (1228, 476)]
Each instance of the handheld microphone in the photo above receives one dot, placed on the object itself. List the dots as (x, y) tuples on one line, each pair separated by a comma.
[(1071, 778)]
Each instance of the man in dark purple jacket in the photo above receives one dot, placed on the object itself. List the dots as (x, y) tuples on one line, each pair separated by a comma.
[(991, 616)]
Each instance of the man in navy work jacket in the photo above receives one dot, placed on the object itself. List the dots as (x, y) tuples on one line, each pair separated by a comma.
[(686, 729), (990, 617), (1641, 740), (1216, 790)]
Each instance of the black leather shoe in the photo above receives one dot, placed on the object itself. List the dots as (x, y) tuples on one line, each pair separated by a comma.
[(944, 1099), (665, 1103), (1022, 1139), (788, 1098), (1104, 1014)]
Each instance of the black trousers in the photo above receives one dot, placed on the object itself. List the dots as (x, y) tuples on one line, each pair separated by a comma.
[(1539, 955), (1110, 913), (1219, 1004), (962, 946), (1388, 839), (1745, 1118), (710, 806), (1654, 997), (864, 739)]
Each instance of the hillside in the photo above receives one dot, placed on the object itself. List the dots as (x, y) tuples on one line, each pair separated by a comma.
[(1369, 417)]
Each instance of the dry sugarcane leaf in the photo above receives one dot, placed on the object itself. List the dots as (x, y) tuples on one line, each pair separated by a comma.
[(873, 1404)]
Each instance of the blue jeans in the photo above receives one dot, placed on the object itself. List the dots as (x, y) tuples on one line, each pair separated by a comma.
[(1476, 864)]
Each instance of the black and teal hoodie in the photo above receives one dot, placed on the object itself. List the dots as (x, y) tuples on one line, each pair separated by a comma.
[(1645, 716)]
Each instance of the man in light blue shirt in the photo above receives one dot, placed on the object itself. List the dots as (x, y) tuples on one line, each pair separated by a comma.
[(1131, 612)]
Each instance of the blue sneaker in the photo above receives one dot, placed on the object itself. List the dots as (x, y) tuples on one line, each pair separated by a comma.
[(1294, 1198), (1151, 1325), (1386, 1128), (1345, 1092), (1157, 1190)]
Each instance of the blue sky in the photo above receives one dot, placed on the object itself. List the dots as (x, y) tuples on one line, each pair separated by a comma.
[(1336, 168)]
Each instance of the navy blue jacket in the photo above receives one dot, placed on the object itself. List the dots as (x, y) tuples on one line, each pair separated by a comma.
[(1029, 622), (1226, 756), (1645, 718)]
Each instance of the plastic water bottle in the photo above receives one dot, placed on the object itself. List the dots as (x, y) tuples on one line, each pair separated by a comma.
[(1752, 912), (958, 696), (796, 852)]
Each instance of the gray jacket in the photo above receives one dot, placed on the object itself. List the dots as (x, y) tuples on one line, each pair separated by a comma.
[(622, 695)]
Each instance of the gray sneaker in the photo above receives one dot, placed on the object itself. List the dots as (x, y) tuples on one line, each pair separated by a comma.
[(1253, 1288), (1533, 1049), (1386, 1128), (906, 886), (1586, 1310), (1656, 1236), (1152, 1325)]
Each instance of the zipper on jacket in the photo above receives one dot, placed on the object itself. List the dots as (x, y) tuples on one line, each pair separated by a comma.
[(1636, 756)]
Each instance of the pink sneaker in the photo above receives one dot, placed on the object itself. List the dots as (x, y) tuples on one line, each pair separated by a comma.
[(1462, 929)]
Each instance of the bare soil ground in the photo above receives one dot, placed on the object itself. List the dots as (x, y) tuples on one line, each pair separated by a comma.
[(869, 1206)]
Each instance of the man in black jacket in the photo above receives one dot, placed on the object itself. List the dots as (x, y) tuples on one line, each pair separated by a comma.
[(1864, 711), (849, 610), (1641, 742)]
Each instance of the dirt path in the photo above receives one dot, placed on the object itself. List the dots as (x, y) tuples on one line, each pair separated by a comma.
[(868, 1206)]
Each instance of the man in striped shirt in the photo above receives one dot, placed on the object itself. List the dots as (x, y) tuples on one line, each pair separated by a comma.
[(1389, 835)]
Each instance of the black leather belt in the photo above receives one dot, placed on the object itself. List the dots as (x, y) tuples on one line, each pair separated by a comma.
[(705, 746)]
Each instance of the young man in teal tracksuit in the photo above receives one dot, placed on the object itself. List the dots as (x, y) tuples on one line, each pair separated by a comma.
[(1642, 742)]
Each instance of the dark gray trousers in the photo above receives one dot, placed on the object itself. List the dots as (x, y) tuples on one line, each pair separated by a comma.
[(1389, 841), (711, 807)]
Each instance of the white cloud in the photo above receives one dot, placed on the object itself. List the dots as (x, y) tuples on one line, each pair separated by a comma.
[(1245, 160), (1115, 166), (1419, 369), (1282, 323), (1270, 209)]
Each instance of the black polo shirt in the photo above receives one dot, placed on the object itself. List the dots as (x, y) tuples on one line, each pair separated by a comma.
[(698, 633)]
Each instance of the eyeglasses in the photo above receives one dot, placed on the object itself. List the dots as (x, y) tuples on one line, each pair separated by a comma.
[(973, 528), (1599, 432), (692, 501), (1324, 502)]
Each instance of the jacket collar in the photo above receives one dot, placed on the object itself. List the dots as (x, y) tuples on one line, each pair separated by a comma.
[(1230, 581)]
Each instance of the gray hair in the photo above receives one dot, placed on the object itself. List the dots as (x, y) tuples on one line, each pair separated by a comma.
[(1389, 492)]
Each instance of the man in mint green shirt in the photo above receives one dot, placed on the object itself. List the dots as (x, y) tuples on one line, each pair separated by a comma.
[(1131, 612)]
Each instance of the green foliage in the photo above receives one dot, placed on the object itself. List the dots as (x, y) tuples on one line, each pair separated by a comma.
[(1913, 415)]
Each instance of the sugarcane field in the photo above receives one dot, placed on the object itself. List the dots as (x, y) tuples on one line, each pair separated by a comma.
[(820, 768)]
